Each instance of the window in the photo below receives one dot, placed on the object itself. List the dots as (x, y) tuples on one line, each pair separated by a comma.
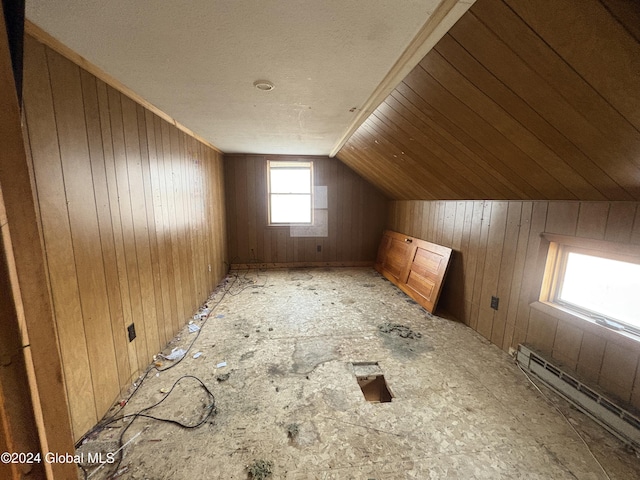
[(290, 192), (596, 281)]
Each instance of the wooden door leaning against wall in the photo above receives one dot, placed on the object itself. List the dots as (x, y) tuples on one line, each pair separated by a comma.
[(416, 266)]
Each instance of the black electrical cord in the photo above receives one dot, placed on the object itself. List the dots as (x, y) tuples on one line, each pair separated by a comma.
[(226, 289), (211, 410), (248, 283), (151, 368)]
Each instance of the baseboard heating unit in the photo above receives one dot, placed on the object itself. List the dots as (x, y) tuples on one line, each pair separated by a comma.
[(617, 420)]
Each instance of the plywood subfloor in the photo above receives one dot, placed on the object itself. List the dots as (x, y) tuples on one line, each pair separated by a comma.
[(461, 408)]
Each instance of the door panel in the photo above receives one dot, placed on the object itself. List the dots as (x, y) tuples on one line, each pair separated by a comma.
[(398, 258), (416, 266)]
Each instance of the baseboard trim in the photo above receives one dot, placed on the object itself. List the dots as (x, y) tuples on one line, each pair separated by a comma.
[(269, 266)]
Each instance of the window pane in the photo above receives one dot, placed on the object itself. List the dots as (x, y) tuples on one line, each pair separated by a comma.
[(290, 208), (290, 180), (608, 287)]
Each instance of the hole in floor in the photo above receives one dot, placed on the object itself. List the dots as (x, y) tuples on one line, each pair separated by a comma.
[(374, 388)]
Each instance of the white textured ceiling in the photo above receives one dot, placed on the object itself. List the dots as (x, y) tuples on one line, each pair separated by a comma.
[(197, 60)]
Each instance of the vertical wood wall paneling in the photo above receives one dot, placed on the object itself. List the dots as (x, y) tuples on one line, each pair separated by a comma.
[(530, 289), (320, 173), (121, 282), (132, 214), (34, 412), (476, 299), (182, 216), (86, 241), (472, 254), (621, 216), (503, 255), (153, 197), (123, 190), (506, 273), (186, 189), (357, 212), (592, 220), (516, 280), (107, 244), (172, 241), (635, 233), (140, 231), (491, 271), (159, 333), (332, 192), (47, 167), (199, 173)]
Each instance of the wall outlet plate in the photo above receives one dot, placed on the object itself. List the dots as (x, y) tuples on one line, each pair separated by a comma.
[(494, 302), (132, 332)]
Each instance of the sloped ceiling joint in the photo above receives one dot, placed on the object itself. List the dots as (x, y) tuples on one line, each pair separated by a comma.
[(441, 20), (198, 64), (513, 104)]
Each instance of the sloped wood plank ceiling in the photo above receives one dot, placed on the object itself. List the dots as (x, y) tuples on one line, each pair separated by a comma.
[(520, 100)]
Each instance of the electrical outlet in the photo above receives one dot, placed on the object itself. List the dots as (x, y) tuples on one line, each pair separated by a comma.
[(132, 332), (209, 267), (494, 302), (318, 248)]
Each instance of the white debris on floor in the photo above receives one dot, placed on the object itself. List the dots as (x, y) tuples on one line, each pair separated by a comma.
[(278, 353)]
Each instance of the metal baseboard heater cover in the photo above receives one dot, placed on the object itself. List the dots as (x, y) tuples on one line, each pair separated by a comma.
[(615, 419)]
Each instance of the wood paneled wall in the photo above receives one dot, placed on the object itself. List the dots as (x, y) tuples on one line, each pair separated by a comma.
[(357, 212), (520, 100), (34, 414), (133, 219), (497, 252)]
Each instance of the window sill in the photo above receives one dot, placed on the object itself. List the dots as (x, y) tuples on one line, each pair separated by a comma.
[(586, 323), (287, 225)]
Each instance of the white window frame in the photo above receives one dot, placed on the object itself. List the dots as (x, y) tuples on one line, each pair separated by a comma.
[(559, 248), (303, 164)]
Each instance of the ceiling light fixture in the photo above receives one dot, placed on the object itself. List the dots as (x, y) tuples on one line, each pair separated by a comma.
[(264, 85)]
